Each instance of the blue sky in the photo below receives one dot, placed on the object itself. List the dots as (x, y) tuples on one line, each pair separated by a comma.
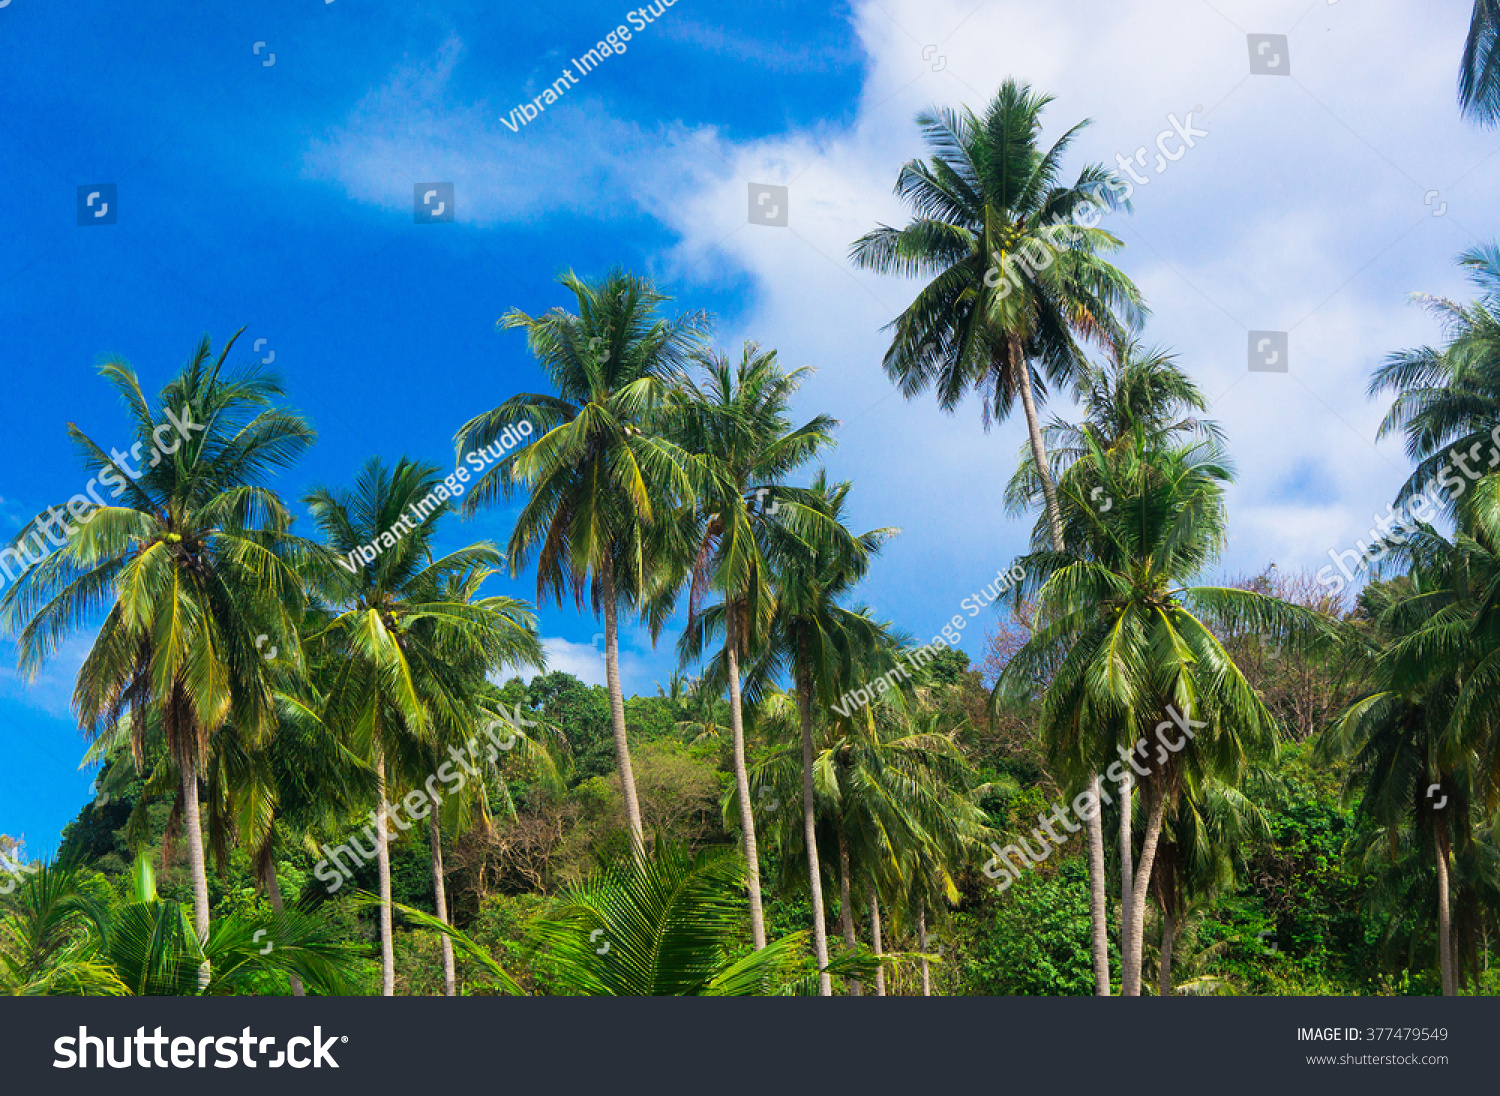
[(278, 197)]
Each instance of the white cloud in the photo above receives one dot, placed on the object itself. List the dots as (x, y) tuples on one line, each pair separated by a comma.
[(1309, 208)]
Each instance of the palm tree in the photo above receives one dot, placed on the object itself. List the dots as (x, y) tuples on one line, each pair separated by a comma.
[(1015, 282), (1017, 278), (814, 640), (598, 473), (1124, 652), (1138, 388), (1447, 400), (406, 649), (1479, 76), (736, 422), (182, 566)]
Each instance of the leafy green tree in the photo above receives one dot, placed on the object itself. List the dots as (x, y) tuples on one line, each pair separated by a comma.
[(599, 473), (736, 421), (1125, 650), (407, 648), (182, 565)]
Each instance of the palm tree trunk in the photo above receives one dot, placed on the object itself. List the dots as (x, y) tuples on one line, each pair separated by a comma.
[(1445, 919), (875, 938), (855, 987), (1021, 370), (273, 888), (1098, 904), (383, 860), (1127, 872), (617, 711), (742, 778), (440, 901), (1164, 958), (1132, 963), (196, 866), (922, 945), (810, 824), (1094, 828)]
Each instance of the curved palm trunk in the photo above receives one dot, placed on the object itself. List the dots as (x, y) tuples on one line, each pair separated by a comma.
[(196, 866), (854, 986), (1445, 916), (1132, 962), (1098, 905), (1164, 964), (617, 711), (875, 938), (810, 828), (273, 888), (383, 861), (440, 900), (742, 779), (922, 945)]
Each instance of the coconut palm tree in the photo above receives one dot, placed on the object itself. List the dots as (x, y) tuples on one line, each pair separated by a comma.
[(814, 640), (1015, 282), (407, 648), (597, 472), (1479, 75), (1017, 277), (1127, 654), (736, 421), (182, 564)]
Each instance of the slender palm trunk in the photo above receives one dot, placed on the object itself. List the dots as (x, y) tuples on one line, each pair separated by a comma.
[(617, 711), (273, 888), (1164, 964), (1127, 871), (440, 901), (196, 865), (1132, 962), (742, 777), (1021, 371), (383, 860), (1445, 918), (875, 938), (810, 825), (1098, 904), (922, 945), (1094, 828), (855, 987)]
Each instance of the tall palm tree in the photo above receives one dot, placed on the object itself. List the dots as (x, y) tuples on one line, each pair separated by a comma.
[(1123, 649), (813, 639), (1018, 276), (736, 421), (1137, 388), (405, 650), (182, 564), (1015, 282), (1479, 76), (598, 473)]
